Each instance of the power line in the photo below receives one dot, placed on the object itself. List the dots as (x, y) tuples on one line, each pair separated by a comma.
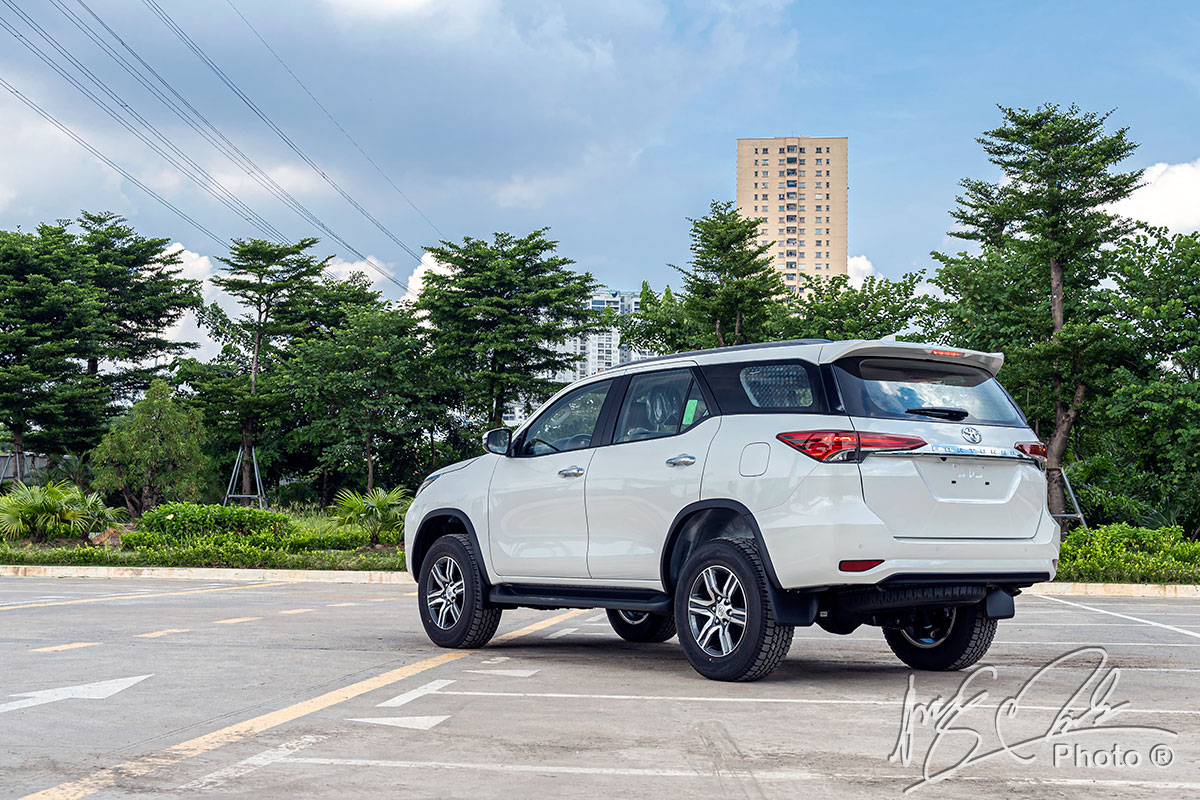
[(46, 115), (171, 25), (193, 171), (198, 122), (332, 119)]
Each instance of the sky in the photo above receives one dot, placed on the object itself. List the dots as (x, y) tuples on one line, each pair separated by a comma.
[(609, 122)]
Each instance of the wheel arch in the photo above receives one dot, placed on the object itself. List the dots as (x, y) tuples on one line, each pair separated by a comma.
[(699, 522), (436, 524)]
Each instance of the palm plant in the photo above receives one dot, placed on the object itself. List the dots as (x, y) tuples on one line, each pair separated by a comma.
[(56, 509), (377, 511)]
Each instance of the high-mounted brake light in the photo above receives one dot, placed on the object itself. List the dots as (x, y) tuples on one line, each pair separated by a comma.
[(1035, 449), (840, 446), (946, 353)]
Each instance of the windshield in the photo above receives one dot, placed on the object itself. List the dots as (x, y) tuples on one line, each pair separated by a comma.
[(907, 388)]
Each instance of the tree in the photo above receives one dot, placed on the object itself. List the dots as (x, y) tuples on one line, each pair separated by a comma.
[(368, 380), (830, 308), (153, 453), (1046, 222), (500, 316), (660, 325), (142, 296), (732, 286), (264, 277), (45, 307)]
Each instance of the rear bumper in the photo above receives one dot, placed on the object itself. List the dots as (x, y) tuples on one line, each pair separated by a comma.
[(805, 549)]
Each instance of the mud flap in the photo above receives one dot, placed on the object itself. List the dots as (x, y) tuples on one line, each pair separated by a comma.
[(999, 605)]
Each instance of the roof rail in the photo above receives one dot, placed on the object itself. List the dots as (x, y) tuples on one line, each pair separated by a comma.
[(731, 349)]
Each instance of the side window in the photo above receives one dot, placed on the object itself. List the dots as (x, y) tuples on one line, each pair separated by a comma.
[(658, 404), (765, 387), (695, 410), (569, 424)]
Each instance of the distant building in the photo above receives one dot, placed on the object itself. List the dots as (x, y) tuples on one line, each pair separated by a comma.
[(599, 351), (797, 187)]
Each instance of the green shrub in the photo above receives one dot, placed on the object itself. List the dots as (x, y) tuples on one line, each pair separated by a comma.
[(206, 553), (380, 513), (1123, 553), (183, 522), (58, 509)]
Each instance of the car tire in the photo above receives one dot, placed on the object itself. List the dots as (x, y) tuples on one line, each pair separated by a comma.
[(641, 626), (728, 584), (943, 638), (452, 597)]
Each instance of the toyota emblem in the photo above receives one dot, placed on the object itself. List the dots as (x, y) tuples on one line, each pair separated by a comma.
[(972, 435)]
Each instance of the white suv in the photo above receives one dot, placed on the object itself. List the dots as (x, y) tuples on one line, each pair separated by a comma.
[(734, 494)]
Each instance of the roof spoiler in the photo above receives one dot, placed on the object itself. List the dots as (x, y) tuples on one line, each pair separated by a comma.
[(990, 362)]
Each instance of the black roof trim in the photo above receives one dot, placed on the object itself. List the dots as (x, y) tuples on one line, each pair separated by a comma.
[(731, 349)]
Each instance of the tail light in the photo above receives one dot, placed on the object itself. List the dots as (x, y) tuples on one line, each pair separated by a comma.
[(1035, 449), (841, 446)]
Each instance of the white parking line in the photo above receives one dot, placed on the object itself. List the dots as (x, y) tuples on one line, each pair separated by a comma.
[(881, 642), (413, 694), (802, 701), (1126, 616), (273, 756), (560, 633), (412, 723), (507, 673)]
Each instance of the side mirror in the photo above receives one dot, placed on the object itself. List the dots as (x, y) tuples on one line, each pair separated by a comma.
[(498, 441)]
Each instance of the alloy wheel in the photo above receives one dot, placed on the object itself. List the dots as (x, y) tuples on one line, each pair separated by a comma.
[(446, 593), (930, 628), (717, 611), (633, 617)]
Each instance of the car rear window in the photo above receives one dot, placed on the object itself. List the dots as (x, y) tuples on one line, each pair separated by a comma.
[(931, 391), (764, 387)]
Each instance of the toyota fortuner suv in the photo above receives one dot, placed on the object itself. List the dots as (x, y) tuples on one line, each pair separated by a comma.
[(731, 495)]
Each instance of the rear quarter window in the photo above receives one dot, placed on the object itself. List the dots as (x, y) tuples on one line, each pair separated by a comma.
[(765, 387)]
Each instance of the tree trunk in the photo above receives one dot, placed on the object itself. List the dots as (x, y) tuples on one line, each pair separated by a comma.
[(720, 338), (19, 451), (737, 328), (370, 464), (93, 366), (248, 485), (1057, 281), (1056, 448)]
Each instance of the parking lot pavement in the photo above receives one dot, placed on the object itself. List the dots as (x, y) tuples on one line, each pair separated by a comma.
[(111, 688)]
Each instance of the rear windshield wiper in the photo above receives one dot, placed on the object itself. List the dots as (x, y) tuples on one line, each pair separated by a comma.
[(945, 412)]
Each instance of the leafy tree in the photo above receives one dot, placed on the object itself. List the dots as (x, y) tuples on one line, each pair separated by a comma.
[(142, 296), (45, 308), (1047, 237), (830, 308), (153, 453), (368, 380), (661, 324), (499, 319), (731, 286), (265, 277)]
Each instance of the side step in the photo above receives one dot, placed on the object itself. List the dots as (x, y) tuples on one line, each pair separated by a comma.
[(511, 594)]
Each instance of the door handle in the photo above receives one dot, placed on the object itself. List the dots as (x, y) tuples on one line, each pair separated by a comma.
[(571, 472), (681, 461)]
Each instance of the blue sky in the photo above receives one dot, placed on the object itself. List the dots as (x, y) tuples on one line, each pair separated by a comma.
[(608, 122)]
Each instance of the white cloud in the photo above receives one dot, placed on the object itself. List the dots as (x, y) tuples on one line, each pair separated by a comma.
[(1170, 197), (416, 281), (448, 20), (859, 269), (294, 178), (188, 329)]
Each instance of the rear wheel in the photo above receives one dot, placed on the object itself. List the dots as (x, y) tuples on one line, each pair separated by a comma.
[(641, 626), (943, 638), (451, 595), (725, 622)]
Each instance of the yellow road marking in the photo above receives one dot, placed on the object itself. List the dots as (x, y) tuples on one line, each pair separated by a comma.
[(340, 605), (164, 632), (411, 594), (537, 626), (58, 647), (381, 599), (235, 620), (142, 596), (296, 611), (107, 778)]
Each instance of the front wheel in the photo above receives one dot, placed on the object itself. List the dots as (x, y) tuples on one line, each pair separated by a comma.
[(943, 638), (641, 626), (451, 595), (726, 625)]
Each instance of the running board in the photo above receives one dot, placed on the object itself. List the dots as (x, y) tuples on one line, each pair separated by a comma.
[(580, 597)]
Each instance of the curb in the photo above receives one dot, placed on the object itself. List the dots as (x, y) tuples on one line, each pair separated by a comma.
[(211, 574), (1116, 589)]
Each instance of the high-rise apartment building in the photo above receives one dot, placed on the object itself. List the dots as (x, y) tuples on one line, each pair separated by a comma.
[(796, 186)]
